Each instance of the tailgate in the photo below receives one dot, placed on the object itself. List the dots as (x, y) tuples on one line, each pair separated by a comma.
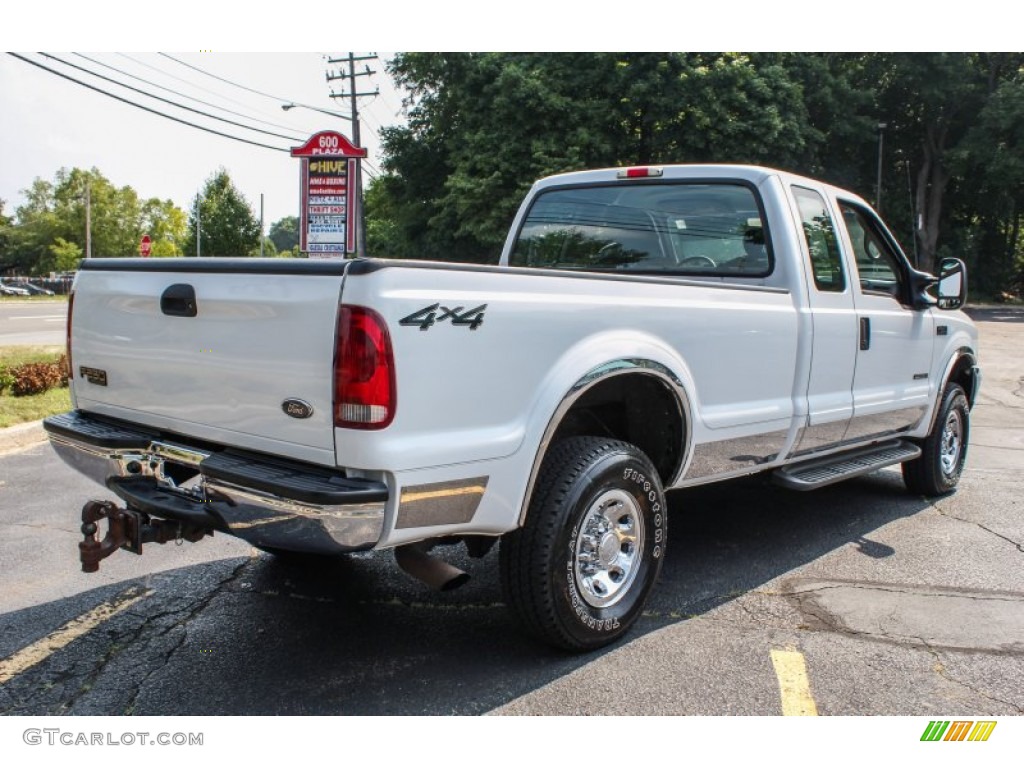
[(261, 333)]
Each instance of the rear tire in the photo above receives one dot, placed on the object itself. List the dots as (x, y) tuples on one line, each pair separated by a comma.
[(579, 571), (944, 451)]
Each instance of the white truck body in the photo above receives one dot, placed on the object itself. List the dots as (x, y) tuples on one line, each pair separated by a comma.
[(713, 369)]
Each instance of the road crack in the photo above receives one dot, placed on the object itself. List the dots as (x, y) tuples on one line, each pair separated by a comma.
[(181, 624), (944, 513), (940, 669)]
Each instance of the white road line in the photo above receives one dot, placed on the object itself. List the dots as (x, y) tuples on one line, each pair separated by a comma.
[(42, 649), (38, 317)]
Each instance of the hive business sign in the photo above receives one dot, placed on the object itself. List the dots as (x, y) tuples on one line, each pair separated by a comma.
[(329, 204)]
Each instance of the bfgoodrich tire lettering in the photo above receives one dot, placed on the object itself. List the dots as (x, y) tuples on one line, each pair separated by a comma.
[(944, 451), (578, 573)]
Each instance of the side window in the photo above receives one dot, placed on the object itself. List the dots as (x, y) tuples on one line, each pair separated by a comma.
[(878, 266), (820, 234)]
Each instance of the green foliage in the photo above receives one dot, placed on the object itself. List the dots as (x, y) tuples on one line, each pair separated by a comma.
[(482, 126), (51, 224), (285, 233), (227, 224), (65, 256)]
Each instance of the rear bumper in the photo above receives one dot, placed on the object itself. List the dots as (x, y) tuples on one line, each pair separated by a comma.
[(267, 501)]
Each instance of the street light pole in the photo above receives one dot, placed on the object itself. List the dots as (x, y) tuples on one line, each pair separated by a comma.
[(878, 185)]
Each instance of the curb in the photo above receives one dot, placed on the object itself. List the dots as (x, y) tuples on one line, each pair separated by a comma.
[(21, 436)]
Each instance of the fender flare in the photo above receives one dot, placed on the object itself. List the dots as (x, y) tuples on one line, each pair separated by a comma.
[(599, 374)]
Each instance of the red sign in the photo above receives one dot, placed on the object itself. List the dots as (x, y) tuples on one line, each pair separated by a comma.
[(145, 246), (328, 144), (327, 185)]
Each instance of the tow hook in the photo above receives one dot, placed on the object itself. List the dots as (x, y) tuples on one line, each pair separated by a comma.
[(127, 529)]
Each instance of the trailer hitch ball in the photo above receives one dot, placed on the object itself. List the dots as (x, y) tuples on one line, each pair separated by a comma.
[(128, 530), (90, 550)]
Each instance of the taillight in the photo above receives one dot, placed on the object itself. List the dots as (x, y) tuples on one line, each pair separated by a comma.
[(364, 371), (71, 306)]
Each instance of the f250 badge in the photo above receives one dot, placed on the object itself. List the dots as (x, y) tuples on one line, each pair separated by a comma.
[(435, 313)]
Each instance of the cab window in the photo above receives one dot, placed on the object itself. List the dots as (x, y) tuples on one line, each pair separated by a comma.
[(878, 265), (820, 236)]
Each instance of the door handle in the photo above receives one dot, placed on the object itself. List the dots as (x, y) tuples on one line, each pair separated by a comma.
[(179, 300), (865, 333)]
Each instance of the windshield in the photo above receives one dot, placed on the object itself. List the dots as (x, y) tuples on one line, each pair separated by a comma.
[(685, 228)]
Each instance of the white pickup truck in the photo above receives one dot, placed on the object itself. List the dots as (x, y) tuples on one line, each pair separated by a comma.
[(646, 329)]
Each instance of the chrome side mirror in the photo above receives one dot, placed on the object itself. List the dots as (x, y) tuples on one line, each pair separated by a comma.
[(952, 290)]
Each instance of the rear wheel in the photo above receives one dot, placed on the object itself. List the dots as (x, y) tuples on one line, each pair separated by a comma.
[(944, 451), (579, 571)]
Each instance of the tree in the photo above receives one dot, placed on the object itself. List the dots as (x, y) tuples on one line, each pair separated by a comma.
[(167, 227), (53, 219), (227, 224), (482, 127), (285, 233)]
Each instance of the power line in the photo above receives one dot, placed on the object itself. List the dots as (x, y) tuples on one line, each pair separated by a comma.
[(179, 93), (143, 107), (225, 80), (168, 101), (183, 80)]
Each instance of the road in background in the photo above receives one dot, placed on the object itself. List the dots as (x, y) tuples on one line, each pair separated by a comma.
[(32, 322)]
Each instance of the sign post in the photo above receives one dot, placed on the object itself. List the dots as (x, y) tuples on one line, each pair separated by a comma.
[(145, 246), (329, 202)]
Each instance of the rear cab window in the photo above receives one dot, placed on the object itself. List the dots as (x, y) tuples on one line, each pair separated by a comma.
[(679, 228)]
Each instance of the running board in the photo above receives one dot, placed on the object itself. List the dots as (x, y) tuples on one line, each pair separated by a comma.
[(816, 473)]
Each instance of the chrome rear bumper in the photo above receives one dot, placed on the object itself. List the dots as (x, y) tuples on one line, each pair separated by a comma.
[(266, 501)]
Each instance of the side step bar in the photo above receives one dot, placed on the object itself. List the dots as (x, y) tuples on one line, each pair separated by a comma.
[(816, 473)]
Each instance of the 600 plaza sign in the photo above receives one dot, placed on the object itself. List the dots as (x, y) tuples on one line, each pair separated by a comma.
[(328, 202)]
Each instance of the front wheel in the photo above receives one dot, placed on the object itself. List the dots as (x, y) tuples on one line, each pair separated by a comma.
[(944, 451), (579, 571)]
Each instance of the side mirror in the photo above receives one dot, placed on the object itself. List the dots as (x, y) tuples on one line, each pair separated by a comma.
[(952, 290)]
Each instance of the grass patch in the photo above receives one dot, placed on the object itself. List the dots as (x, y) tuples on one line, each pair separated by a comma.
[(11, 357), (28, 299), (17, 410)]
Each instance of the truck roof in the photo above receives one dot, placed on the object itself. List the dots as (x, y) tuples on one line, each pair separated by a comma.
[(755, 174)]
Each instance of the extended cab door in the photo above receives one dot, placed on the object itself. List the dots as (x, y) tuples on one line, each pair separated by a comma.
[(890, 386), (834, 321)]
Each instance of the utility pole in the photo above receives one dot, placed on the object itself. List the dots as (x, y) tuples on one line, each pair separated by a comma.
[(88, 220), (353, 95), (199, 229), (261, 225)]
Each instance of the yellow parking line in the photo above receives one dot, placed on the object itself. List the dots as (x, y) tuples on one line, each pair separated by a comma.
[(794, 686), (42, 649)]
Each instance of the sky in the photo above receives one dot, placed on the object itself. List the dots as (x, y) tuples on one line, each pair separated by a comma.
[(49, 122)]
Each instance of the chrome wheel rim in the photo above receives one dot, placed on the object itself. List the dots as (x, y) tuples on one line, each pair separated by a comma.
[(952, 443), (607, 550)]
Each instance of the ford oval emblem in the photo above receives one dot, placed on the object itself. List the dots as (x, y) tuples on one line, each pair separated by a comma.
[(297, 409)]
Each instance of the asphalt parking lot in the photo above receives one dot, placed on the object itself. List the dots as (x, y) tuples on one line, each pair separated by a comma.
[(857, 599)]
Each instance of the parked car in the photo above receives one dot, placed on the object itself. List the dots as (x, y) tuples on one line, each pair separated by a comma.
[(10, 289), (646, 329), (37, 290)]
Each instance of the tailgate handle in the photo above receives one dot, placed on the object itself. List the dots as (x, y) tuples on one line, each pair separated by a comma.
[(179, 300)]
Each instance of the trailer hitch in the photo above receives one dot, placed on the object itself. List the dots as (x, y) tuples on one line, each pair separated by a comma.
[(127, 529)]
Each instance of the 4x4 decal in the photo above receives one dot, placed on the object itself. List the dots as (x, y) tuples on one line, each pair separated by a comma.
[(426, 317)]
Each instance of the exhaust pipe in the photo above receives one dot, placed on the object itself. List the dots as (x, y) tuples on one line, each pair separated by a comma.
[(415, 560)]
